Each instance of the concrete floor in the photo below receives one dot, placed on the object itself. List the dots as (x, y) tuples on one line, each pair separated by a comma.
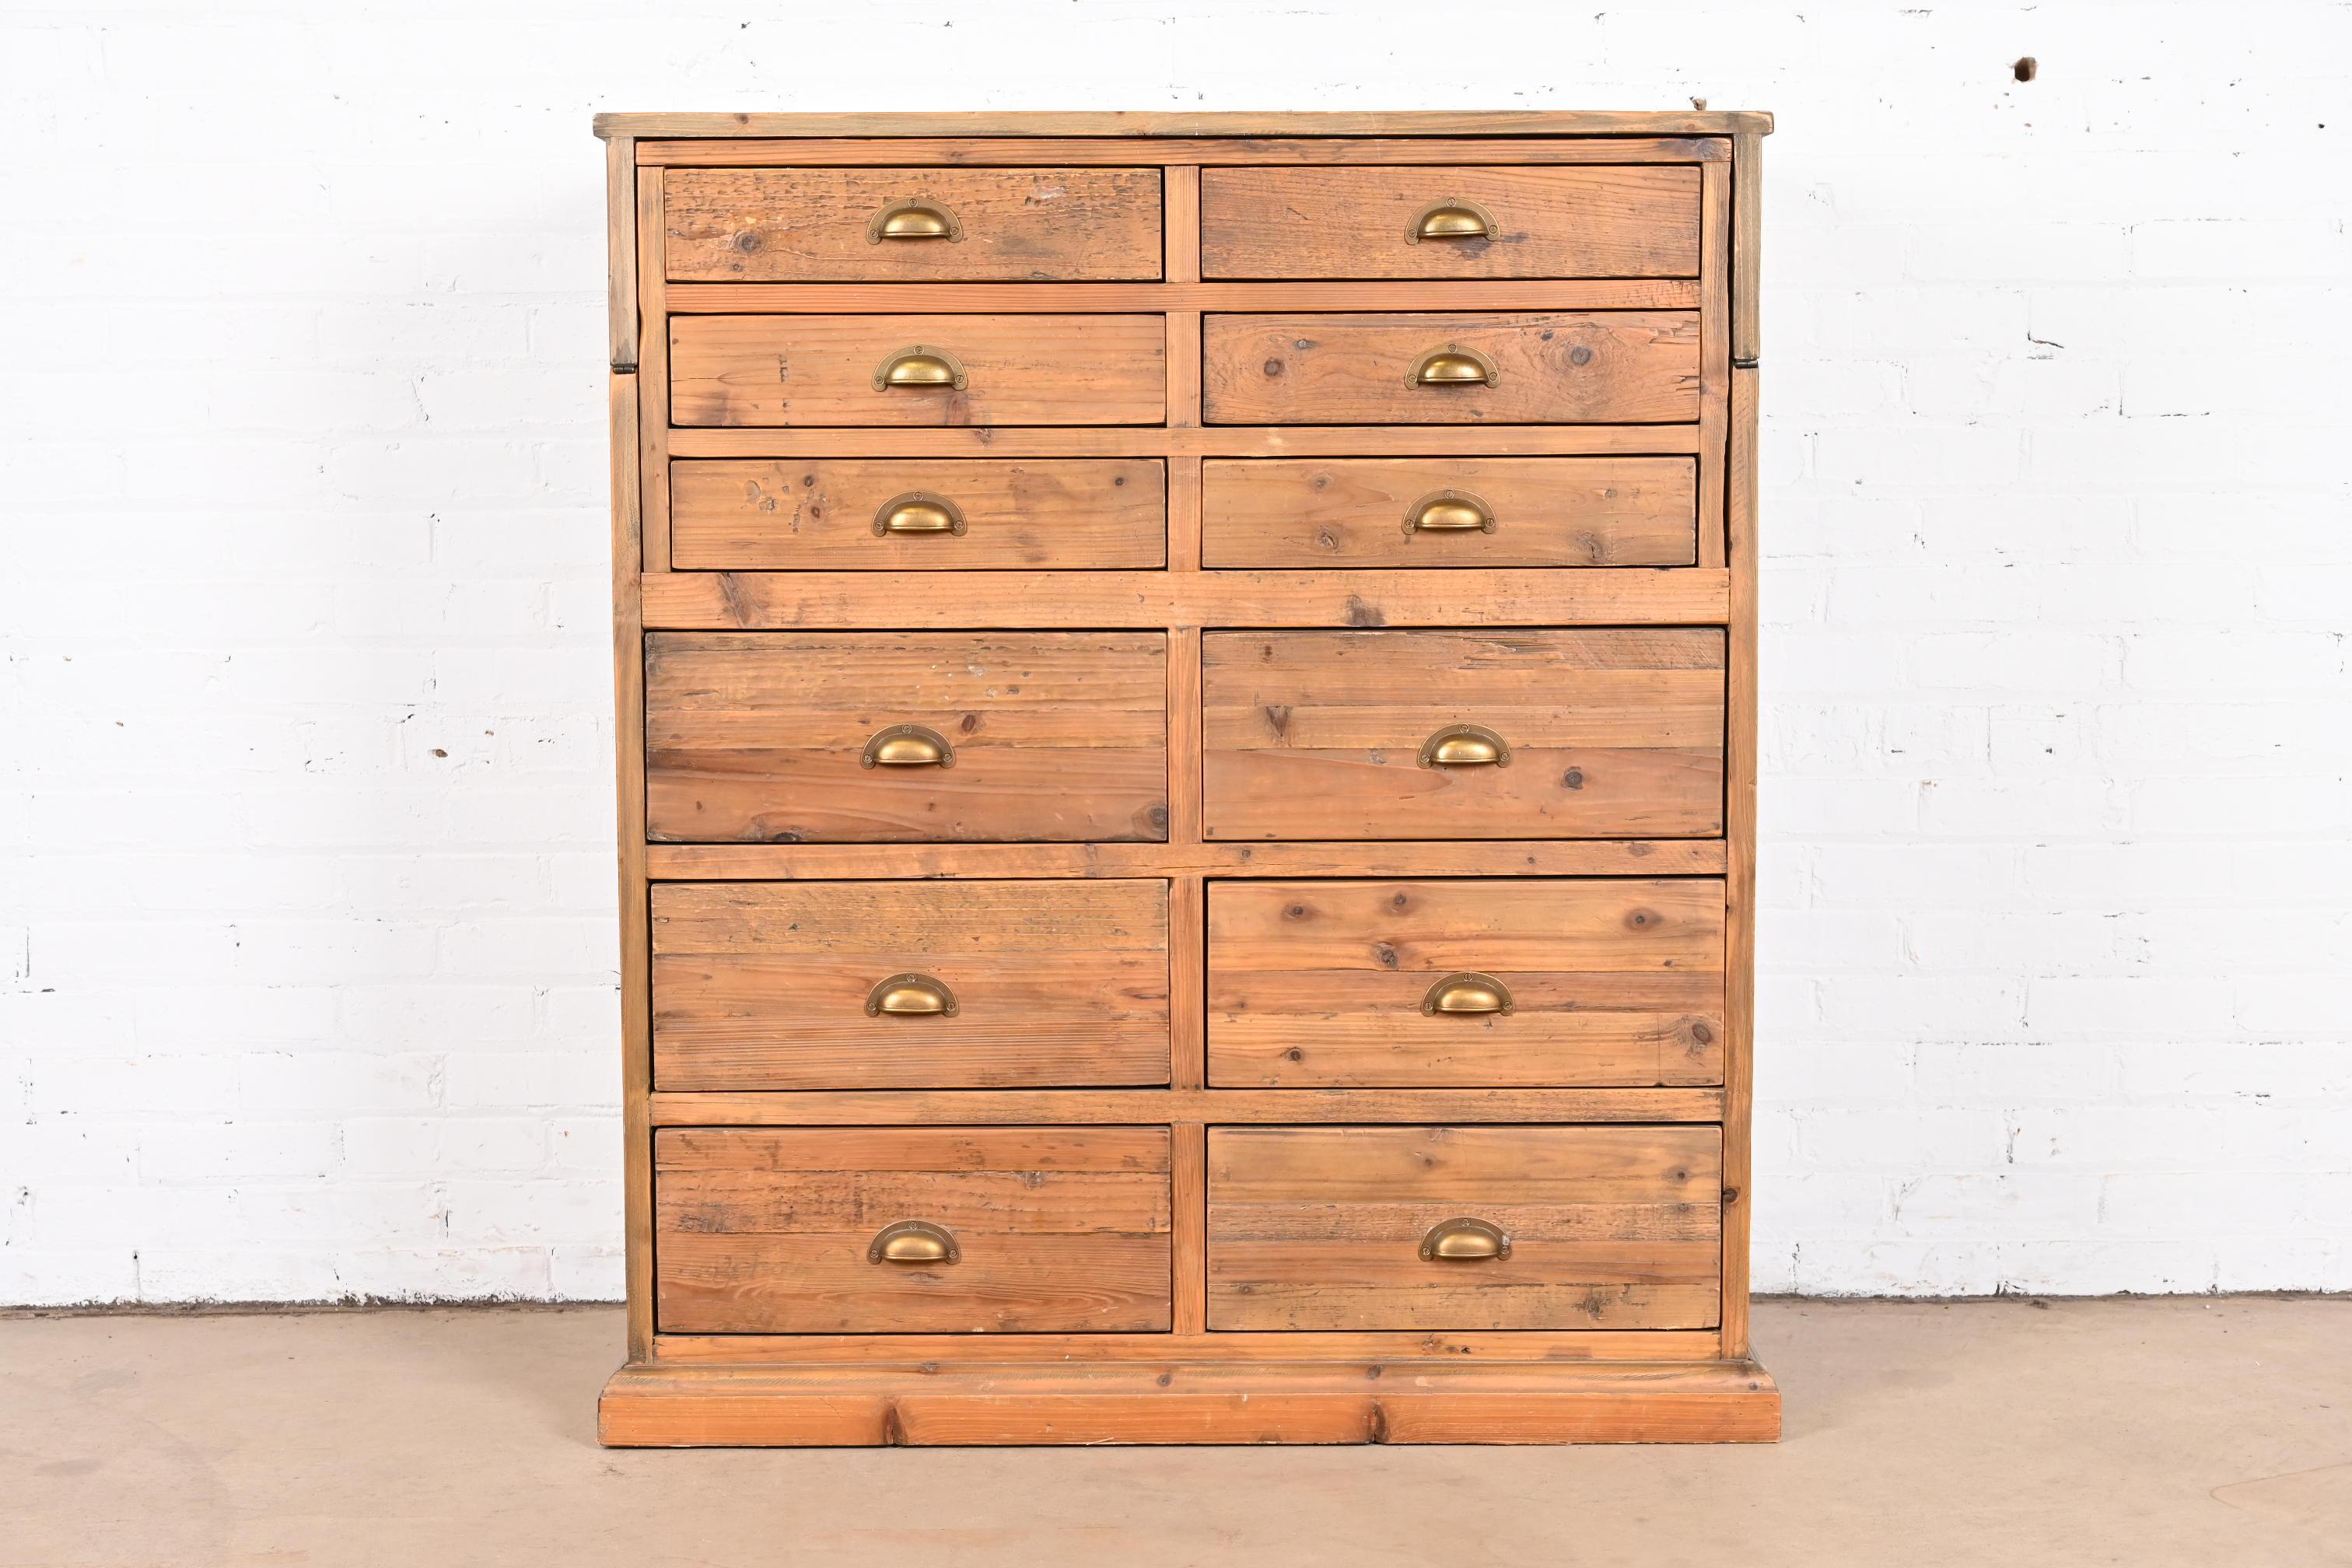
[(2182, 1431)]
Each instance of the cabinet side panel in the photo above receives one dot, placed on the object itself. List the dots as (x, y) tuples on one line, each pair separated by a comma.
[(1739, 827), (629, 760), (621, 248)]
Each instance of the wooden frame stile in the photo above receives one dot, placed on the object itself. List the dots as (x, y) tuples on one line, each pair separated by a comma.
[(1681, 1379)]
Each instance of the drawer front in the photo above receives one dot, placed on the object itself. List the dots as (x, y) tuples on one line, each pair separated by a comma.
[(937, 984), (890, 737), (1625, 368), (836, 370), (770, 1230), (883, 514), (1450, 511), (911, 226), (1466, 985), (1595, 733), (1482, 222), (1324, 1228)]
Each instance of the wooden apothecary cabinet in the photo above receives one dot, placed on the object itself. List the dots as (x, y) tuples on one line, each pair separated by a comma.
[(1187, 777)]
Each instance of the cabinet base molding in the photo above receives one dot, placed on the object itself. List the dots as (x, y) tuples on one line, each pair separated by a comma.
[(1186, 1400)]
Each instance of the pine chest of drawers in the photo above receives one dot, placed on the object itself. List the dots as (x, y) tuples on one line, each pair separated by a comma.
[(1187, 754)]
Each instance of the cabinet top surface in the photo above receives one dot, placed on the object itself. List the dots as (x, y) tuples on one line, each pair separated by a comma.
[(1419, 123)]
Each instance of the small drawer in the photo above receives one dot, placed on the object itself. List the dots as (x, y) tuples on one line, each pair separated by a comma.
[(888, 514), (1593, 733), (935, 984), (1557, 367), (1465, 1227), (1450, 511), (895, 737), (900, 371), (895, 1230), (1464, 984), (911, 226), (1449, 222)]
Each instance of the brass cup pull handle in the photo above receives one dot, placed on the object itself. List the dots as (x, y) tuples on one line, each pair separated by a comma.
[(1466, 746), (919, 364), (1467, 995), (918, 511), (1452, 365), (910, 996), (915, 218), (914, 1241), (1464, 1240), (907, 746), (1449, 511), (1456, 217)]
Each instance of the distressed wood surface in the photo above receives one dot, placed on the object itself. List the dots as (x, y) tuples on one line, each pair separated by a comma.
[(1747, 249), (759, 736), (764, 985), (962, 124), (1742, 743), (1364, 1352), (1553, 367), (766, 1230), (1539, 857), (1319, 1227), (818, 514), (1112, 1106), (1291, 222), (1177, 152), (629, 800), (739, 224), (1182, 294), (819, 370), (1223, 440), (1370, 597), (621, 251), (1321, 984), (1316, 734), (1548, 512)]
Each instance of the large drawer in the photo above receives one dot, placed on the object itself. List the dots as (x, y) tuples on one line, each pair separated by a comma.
[(917, 370), (871, 737), (891, 514), (911, 226), (1466, 985), (879, 1230), (1614, 731), (1440, 221), (1364, 1227), (933, 984), (1623, 367), (1449, 511)]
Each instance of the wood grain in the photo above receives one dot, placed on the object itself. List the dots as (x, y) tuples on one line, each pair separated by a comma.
[(1316, 734), (764, 985), (620, 250), (810, 223), (1226, 440), (1554, 367), (1321, 984), (1538, 858), (1060, 1230), (1099, 1107), (1747, 247), (1174, 296), (1605, 222), (1371, 598), (961, 123), (1548, 512), (629, 798), (1055, 735), (818, 514), (1172, 151), (819, 370), (1363, 1352), (1318, 1227), (1741, 744)]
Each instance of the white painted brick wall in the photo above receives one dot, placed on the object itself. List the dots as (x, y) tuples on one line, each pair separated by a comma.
[(306, 956)]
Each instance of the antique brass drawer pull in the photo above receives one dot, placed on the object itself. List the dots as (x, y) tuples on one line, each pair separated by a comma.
[(907, 746), (1456, 217), (919, 364), (910, 996), (918, 511), (1454, 366), (916, 217), (1466, 746), (917, 1241), (1467, 995), (1464, 1240), (1449, 511)]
